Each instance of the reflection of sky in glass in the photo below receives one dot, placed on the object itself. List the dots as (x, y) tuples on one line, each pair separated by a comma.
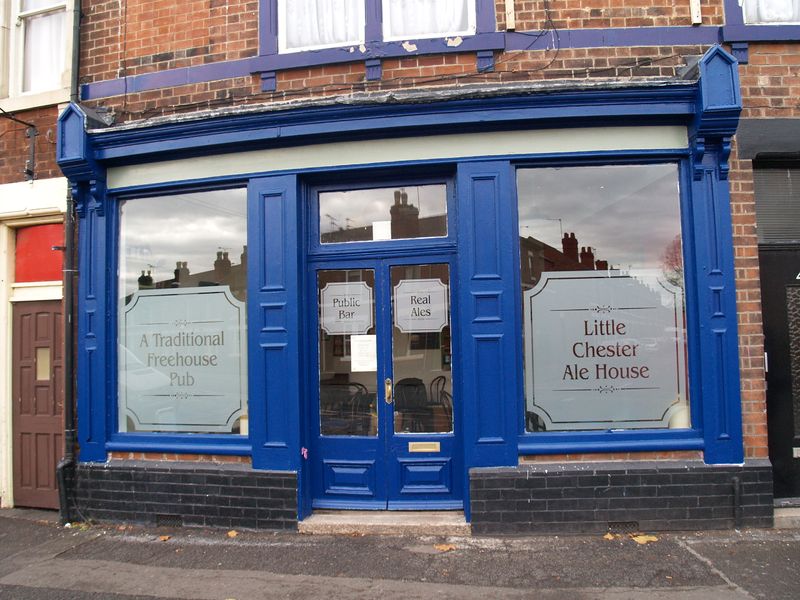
[(629, 214), (361, 208), (157, 232)]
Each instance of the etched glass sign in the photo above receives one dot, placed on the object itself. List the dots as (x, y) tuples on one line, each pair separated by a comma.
[(346, 308), (606, 350), (420, 305), (183, 363)]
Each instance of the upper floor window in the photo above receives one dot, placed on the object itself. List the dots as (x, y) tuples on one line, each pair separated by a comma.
[(36, 48), (771, 11), (319, 24), (42, 24)]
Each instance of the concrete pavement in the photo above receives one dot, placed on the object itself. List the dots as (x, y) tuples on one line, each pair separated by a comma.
[(39, 559)]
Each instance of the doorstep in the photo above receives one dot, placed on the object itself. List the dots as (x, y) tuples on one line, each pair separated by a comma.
[(373, 522)]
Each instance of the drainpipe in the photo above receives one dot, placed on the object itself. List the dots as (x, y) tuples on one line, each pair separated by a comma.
[(68, 462)]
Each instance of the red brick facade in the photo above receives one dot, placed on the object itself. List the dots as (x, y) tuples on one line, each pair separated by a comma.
[(145, 36)]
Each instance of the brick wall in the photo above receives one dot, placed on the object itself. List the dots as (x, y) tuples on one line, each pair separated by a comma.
[(585, 14), (185, 493), (142, 36), (15, 147), (627, 496)]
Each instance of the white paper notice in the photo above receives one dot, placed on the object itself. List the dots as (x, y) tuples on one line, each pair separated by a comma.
[(363, 353), (381, 230)]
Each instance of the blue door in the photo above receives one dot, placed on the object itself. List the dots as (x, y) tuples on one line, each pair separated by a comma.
[(384, 414)]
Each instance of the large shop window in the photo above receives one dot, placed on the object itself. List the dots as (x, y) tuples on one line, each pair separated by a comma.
[(603, 298), (317, 24), (182, 357)]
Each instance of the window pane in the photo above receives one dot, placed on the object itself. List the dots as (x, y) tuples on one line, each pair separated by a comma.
[(602, 280), (777, 204), (44, 52), (348, 381), (307, 24), (28, 5), (383, 214), (182, 320), (427, 18), (771, 11), (421, 361)]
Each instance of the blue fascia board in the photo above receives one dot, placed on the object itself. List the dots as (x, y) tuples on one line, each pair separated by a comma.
[(673, 104), (612, 36), (761, 33)]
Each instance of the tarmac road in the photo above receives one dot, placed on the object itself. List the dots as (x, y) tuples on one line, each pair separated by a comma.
[(41, 560)]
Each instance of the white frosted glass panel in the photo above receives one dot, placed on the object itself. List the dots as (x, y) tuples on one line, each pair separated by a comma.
[(426, 18), (306, 24), (771, 11)]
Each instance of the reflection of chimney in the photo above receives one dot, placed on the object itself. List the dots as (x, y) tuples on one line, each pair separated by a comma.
[(404, 216), (587, 258), (146, 281), (222, 266), (601, 265), (570, 246), (243, 257)]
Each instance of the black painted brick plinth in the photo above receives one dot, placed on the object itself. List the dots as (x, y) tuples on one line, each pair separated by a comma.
[(595, 497), (188, 493)]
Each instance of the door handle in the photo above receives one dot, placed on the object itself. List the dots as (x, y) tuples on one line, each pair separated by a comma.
[(387, 390)]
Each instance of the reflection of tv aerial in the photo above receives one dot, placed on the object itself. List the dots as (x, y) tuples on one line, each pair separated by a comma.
[(335, 223), (560, 225)]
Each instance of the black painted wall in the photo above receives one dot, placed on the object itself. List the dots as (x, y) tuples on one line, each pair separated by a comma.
[(625, 496), (180, 493)]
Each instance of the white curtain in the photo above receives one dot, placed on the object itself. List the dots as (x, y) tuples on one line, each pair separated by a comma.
[(771, 11), (426, 18), (319, 23), (44, 52)]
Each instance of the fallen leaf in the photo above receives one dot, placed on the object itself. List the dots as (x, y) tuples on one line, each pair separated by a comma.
[(608, 536), (233, 533), (644, 539), (164, 538), (444, 547)]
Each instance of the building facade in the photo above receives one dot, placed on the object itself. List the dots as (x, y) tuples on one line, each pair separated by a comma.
[(36, 77), (481, 256)]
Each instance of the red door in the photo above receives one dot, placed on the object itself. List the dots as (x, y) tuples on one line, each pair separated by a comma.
[(38, 399)]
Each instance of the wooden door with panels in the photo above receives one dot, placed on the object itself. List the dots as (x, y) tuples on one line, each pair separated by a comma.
[(38, 400)]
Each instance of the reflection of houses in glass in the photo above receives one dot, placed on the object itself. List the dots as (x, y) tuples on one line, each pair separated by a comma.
[(224, 273), (536, 257), (403, 217)]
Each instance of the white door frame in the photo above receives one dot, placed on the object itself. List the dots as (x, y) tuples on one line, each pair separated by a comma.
[(24, 204)]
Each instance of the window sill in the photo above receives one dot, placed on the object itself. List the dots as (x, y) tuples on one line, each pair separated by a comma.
[(29, 101), (180, 444), (584, 442), (379, 50)]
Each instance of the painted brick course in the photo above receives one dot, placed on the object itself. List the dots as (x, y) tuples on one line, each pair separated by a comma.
[(632, 496), (184, 493)]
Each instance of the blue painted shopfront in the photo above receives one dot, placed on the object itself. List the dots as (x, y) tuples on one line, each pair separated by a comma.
[(383, 466)]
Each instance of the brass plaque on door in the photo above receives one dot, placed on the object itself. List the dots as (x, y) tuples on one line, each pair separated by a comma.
[(424, 447)]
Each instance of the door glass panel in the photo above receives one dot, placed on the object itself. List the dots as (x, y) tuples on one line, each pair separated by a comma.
[(377, 214), (347, 352), (423, 393), (42, 364)]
